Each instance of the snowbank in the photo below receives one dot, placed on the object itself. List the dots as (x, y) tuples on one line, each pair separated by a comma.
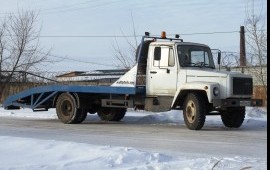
[(31, 154)]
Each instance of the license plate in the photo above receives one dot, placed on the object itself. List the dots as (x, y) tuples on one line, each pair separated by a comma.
[(245, 103)]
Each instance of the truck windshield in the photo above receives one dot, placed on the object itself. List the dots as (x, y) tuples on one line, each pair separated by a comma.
[(195, 56)]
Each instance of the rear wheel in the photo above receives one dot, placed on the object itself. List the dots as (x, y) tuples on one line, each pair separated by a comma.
[(82, 114), (66, 108), (93, 109), (194, 111), (111, 114), (233, 117)]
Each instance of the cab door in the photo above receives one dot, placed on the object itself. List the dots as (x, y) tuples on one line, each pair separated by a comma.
[(162, 72)]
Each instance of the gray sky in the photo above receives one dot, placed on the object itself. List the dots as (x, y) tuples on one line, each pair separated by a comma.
[(114, 18)]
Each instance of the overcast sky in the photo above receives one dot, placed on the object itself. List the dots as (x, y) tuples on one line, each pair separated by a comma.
[(114, 18)]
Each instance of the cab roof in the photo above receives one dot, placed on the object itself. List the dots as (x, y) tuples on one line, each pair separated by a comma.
[(177, 43)]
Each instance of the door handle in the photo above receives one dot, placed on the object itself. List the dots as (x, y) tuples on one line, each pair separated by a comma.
[(153, 72)]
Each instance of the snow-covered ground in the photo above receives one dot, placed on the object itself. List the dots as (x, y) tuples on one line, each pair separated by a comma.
[(29, 153)]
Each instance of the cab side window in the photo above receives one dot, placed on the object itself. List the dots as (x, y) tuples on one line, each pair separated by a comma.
[(167, 58)]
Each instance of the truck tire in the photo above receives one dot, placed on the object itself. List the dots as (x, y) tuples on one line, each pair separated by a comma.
[(194, 111), (111, 114), (82, 114), (121, 114), (93, 109), (233, 117), (66, 109)]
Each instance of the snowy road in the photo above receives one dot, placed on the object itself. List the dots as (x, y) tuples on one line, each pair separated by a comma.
[(149, 134)]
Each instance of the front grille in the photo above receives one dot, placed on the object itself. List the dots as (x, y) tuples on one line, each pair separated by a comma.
[(242, 86)]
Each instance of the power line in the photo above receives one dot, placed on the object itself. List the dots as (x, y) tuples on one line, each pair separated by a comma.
[(88, 36), (80, 61), (68, 6), (127, 36), (65, 9), (80, 8), (130, 36), (237, 53), (95, 63), (220, 32)]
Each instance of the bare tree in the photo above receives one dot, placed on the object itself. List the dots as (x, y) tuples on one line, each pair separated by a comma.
[(126, 59), (19, 45), (256, 41), (229, 59)]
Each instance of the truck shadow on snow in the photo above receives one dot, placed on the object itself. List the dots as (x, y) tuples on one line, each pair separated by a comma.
[(173, 119), (256, 120)]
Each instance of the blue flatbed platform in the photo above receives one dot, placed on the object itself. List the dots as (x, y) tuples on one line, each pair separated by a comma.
[(52, 90)]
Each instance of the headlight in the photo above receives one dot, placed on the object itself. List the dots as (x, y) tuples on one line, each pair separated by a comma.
[(215, 91)]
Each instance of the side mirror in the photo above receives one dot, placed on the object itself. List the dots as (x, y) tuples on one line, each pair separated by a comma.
[(157, 53), (219, 57)]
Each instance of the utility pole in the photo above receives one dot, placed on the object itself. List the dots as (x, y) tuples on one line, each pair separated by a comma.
[(242, 47)]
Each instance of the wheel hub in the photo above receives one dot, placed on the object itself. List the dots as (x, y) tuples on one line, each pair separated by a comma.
[(66, 108), (190, 112)]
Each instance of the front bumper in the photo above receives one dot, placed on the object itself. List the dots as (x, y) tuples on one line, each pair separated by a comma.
[(237, 102)]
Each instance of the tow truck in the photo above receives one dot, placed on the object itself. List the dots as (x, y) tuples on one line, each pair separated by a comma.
[(169, 74)]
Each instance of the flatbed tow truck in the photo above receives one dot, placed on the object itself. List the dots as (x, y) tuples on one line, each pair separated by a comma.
[(169, 74)]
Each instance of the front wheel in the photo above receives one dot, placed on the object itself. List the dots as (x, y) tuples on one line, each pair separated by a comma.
[(233, 117), (111, 114), (194, 111)]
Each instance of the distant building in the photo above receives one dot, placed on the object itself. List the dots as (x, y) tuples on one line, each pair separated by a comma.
[(71, 74)]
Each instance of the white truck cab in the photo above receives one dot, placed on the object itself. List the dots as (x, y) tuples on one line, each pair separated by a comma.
[(182, 75)]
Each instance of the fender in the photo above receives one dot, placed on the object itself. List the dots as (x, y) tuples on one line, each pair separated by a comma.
[(208, 87)]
